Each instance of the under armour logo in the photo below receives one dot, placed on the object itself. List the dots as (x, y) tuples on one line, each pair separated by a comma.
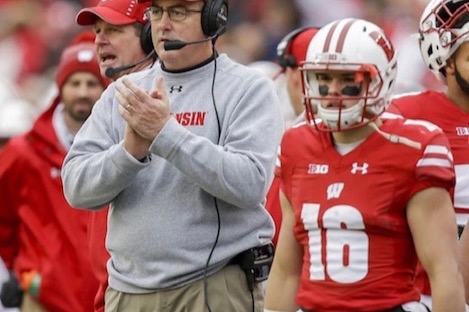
[(175, 88), (363, 169)]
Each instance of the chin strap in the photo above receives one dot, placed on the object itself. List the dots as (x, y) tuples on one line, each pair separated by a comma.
[(395, 138)]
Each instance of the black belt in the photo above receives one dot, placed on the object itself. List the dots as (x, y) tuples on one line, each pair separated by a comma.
[(255, 262)]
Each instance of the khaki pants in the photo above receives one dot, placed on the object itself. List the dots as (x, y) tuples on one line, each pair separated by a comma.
[(31, 305), (227, 291)]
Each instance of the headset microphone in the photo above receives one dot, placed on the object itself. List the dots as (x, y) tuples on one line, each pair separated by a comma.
[(112, 71), (178, 44)]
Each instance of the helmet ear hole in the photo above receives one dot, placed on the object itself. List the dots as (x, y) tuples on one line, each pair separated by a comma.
[(430, 50)]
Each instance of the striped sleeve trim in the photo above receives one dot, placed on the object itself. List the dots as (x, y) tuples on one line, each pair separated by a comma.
[(436, 155)]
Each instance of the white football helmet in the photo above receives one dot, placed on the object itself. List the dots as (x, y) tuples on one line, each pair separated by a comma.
[(349, 45), (443, 27)]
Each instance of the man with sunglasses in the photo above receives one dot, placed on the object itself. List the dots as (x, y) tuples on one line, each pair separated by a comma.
[(184, 154)]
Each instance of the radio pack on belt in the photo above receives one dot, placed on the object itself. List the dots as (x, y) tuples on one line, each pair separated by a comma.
[(256, 263)]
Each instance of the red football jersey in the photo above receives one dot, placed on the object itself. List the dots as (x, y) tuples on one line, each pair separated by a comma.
[(438, 109), (350, 212)]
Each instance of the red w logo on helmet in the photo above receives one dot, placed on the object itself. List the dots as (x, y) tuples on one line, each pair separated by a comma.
[(383, 43)]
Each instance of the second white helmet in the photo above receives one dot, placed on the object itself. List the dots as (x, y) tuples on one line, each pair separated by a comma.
[(443, 27)]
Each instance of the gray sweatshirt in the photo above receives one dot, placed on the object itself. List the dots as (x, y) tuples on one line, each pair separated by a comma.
[(162, 220)]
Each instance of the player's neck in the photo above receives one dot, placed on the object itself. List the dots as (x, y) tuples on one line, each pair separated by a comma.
[(354, 135), (460, 99), (345, 148)]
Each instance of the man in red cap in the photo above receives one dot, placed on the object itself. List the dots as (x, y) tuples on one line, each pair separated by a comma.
[(123, 36), (43, 240), (123, 43), (291, 52)]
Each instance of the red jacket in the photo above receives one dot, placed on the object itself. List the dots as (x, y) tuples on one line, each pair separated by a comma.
[(38, 229), (97, 229), (273, 207)]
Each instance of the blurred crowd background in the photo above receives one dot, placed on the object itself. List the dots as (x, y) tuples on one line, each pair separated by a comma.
[(34, 32)]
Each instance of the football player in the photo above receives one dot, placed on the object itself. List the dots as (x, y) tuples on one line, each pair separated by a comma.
[(363, 197), (443, 32)]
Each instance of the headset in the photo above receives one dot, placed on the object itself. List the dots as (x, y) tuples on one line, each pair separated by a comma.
[(213, 20), (146, 42), (214, 17), (284, 58)]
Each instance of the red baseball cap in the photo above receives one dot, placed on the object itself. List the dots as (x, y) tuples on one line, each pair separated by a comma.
[(299, 45), (115, 12)]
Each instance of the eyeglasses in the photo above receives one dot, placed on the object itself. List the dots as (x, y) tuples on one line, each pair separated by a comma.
[(176, 13)]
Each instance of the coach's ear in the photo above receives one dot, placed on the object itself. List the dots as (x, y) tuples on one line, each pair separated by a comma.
[(450, 67)]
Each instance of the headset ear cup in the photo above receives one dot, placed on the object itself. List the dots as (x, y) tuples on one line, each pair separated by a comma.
[(290, 61), (214, 17), (284, 57), (145, 39)]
